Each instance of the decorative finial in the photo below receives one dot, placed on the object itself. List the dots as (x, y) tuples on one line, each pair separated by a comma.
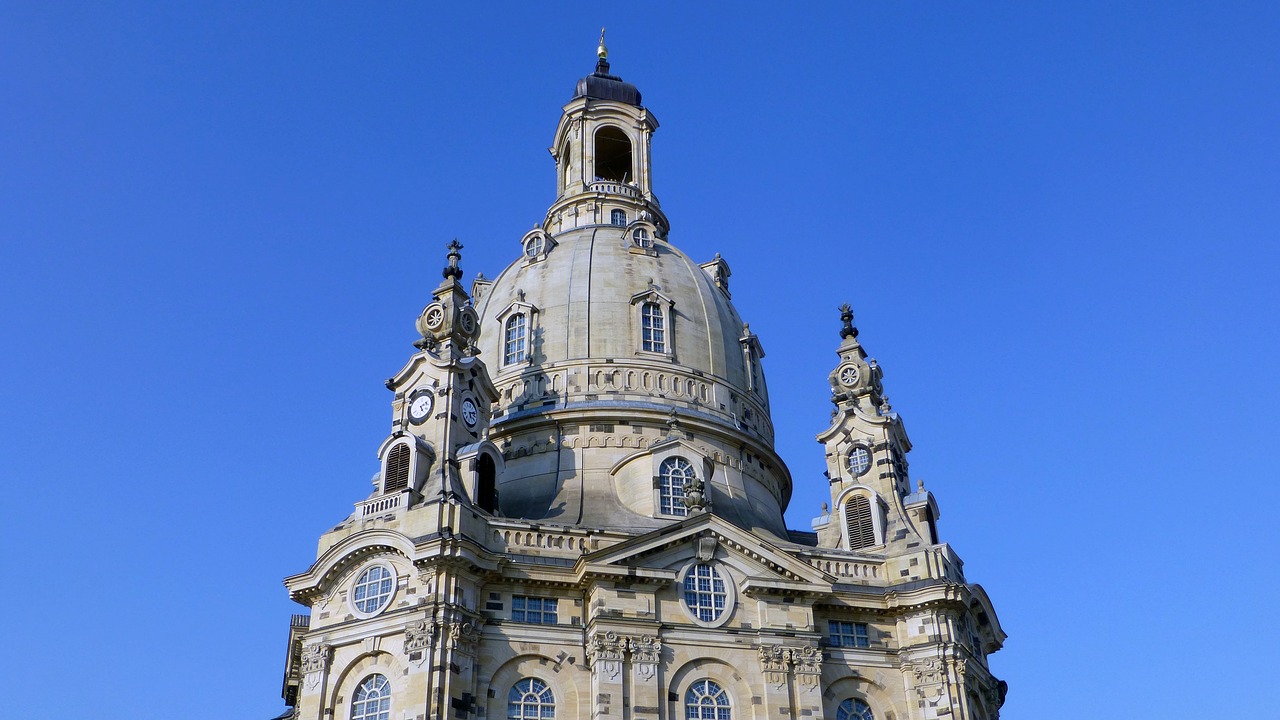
[(846, 316), (602, 52), (452, 270)]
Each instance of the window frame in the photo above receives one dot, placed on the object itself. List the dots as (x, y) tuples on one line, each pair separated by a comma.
[(664, 308), (857, 709), (697, 695), (519, 356), (544, 616), (848, 634), (544, 698), (359, 581), (384, 695), (727, 590), (668, 491)]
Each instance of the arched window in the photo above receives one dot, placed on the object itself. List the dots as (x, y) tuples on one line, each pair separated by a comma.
[(653, 330), (704, 592), (486, 476), (397, 472), (613, 155), (854, 709), (618, 217), (515, 348), (530, 699), (640, 237), (858, 521), (372, 700), (672, 475), (706, 700)]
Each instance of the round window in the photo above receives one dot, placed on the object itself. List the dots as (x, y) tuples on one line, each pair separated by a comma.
[(373, 589), (859, 460), (533, 246), (707, 596)]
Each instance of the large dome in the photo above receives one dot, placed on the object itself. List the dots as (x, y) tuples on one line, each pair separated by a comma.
[(584, 297)]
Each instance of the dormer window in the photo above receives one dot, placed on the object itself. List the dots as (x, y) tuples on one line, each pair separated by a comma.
[(672, 476), (397, 472), (653, 328), (618, 218), (533, 246), (515, 346), (640, 237)]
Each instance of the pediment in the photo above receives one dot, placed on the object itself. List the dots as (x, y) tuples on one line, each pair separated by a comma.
[(659, 554)]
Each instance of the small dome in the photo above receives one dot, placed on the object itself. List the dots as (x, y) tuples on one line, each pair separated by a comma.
[(600, 85)]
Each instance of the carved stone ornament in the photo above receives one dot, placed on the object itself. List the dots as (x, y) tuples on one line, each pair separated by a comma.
[(315, 661), (695, 498), (419, 635), (929, 671), (463, 635), (605, 651), (644, 649)]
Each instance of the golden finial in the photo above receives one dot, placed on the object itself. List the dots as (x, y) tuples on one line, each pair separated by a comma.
[(602, 52)]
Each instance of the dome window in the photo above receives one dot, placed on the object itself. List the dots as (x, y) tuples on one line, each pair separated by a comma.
[(672, 476), (640, 237), (515, 346), (653, 328), (618, 218), (613, 155), (533, 246)]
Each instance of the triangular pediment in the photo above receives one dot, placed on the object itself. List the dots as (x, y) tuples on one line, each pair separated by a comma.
[(658, 554)]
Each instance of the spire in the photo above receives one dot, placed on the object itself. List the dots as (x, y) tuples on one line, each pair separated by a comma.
[(846, 316), (452, 270), (602, 52), (602, 55)]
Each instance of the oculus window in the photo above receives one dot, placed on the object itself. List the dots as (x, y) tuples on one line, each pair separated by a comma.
[(705, 594), (373, 589)]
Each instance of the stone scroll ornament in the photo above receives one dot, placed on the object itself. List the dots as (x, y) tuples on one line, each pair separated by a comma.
[(605, 651), (645, 652), (315, 660)]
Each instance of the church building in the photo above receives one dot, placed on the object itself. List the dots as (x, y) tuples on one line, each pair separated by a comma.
[(579, 509)]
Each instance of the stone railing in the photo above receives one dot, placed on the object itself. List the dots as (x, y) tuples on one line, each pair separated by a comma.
[(614, 188), (524, 540), (382, 505), (856, 570)]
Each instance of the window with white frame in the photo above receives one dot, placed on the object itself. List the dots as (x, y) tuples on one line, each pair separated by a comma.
[(672, 475), (515, 346), (373, 589), (372, 699), (537, 610), (640, 237), (704, 592), (854, 709), (706, 700), (859, 522), (653, 328), (848, 634), (531, 699)]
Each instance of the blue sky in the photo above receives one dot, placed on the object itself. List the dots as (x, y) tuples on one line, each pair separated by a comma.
[(1056, 223)]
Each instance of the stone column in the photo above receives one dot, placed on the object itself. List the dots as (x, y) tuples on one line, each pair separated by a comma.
[(806, 663), (316, 659), (775, 663), (646, 697), (605, 653)]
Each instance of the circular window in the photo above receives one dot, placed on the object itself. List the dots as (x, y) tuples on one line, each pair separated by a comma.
[(707, 596), (859, 460), (533, 246), (373, 590)]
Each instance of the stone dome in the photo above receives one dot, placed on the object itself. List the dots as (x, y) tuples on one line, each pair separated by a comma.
[(584, 295)]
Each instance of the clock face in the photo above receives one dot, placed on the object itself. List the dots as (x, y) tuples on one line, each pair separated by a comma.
[(420, 406), (849, 375), (470, 413)]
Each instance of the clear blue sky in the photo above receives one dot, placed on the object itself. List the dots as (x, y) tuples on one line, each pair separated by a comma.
[(1057, 225)]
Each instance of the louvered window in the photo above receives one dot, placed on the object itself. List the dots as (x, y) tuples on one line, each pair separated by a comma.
[(397, 475), (857, 518)]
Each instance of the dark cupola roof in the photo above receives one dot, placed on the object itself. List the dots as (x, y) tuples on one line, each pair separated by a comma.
[(600, 85)]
